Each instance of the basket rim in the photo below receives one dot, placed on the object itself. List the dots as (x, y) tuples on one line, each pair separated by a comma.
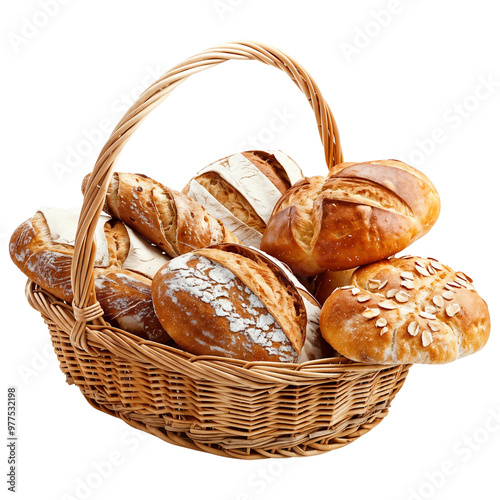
[(133, 348)]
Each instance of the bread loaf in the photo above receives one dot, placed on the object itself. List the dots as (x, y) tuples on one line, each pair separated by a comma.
[(406, 310), (166, 218), (315, 347), (360, 213), (328, 281), (42, 248), (232, 301), (242, 189)]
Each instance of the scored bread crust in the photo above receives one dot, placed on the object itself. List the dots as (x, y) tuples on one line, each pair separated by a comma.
[(124, 294), (282, 300), (242, 189), (406, 310), (163, 216), (360, 213), (207, 310), (315, 347), (235, 301)]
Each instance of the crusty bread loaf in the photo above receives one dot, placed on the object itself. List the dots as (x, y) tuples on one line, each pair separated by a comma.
[(361, 213), (406, 310), (315, 346), (166, 218), (233, 301), (42, 248), (242, 189), (328, 281)]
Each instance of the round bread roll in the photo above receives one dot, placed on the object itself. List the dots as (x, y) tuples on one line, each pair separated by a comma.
[(233, 301), (406, 310), (242, 189), (361, 213)]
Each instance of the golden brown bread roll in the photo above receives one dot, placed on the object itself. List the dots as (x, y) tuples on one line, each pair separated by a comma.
[(406, 310), (325, 283), (166, 218), (232, 301), (42, 248), (361, 213), (242, 189)]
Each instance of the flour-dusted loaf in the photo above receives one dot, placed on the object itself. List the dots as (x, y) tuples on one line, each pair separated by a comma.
[(42, 248), (233, 301), (242, 190), (165, 217), (406, 310), (360, 213), (315, 346)]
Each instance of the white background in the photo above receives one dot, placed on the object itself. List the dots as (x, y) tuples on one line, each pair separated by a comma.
[(417, 80)]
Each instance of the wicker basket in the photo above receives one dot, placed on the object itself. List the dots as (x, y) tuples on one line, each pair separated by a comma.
[(218, 405)]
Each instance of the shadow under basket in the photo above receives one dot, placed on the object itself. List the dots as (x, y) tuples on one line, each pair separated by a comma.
[(223, 406)]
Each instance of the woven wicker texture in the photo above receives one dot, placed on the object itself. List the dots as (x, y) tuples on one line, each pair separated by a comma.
[(223, 406)]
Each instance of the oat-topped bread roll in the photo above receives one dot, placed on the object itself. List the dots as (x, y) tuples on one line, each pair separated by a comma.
[(165, 217), (360, 213), (242, 189), (233, 301), (42, 248), (406, 310)]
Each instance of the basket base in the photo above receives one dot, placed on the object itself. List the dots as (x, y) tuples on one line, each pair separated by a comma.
[(221, 406), (303, 446)]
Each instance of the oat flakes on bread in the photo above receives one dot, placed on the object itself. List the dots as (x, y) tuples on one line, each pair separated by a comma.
[(406, 310), (242, 189), (42, 248), (233, 301), (163, 216), (360, 213)]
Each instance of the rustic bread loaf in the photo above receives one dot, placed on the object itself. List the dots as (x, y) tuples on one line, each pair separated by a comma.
[(406, 310), (166, 218), (361, 213), (42, 248), (242, 189), (315, 346), (325, 283), (232, 301)]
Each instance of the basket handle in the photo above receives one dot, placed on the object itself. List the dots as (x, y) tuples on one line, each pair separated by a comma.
[(85, 306)]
